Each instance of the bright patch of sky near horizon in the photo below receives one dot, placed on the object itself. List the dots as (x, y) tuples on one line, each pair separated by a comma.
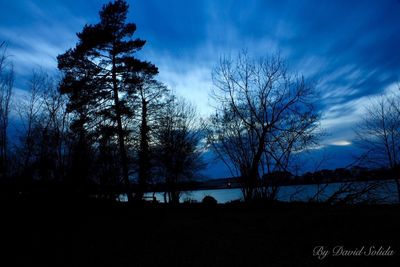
[(349, 49)]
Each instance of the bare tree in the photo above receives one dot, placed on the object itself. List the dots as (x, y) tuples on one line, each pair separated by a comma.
[(6, 86), (178, 152), (44, 143), (264, 115), (355, 192), (54, 128), (378, 134), (29, 109)]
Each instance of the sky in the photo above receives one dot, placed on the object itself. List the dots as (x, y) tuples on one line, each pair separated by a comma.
[(349, 49)]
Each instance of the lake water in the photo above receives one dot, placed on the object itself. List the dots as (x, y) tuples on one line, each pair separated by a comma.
[(379, 192)]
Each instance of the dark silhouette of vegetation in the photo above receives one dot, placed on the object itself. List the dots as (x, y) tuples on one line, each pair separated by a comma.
[(43, 145), (108, 127), (6, 87), (102, 75), (264, 116), (209, 201), (152, 98), (379, 135), (235, 234), (178, 150)]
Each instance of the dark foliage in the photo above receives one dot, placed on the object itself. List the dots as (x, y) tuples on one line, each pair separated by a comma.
[(101, 76)]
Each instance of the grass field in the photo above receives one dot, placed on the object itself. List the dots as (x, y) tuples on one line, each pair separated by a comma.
[(105, 234)]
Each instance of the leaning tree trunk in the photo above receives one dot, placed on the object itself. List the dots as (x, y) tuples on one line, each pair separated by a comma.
[(253, 175)]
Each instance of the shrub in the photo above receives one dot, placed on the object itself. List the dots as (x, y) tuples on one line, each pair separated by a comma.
[(209, 200)]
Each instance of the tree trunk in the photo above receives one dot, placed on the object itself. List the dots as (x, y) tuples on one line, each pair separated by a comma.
[(3, 150), (398, 188), (254, 172), (121, 140), (174, 191), (143, 153)]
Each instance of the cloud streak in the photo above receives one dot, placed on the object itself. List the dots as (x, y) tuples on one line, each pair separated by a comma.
[(348, 49)]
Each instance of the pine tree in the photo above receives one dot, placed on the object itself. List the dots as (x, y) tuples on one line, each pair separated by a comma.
[(101, 73)]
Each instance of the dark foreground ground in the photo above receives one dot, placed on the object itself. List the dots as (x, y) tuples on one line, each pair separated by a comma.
[(104, 234)]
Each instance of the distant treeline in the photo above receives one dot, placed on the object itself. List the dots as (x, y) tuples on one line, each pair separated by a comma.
[(353, 174)]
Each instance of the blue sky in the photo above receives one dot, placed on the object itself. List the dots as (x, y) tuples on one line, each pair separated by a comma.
[(350, 49)]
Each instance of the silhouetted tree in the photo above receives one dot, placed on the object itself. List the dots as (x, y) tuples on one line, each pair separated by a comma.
[(29, 110), (81, 157), (178, 154), (264, 115), (43, 150), (107, 167), (151, 98), (54, 124), (379, 134), (6, 87), (101, 73)]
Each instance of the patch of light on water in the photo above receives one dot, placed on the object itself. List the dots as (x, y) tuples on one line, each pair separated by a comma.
[(383, 192)]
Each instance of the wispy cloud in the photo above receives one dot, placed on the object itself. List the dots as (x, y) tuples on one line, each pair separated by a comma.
[(341, 143), (193, 84), (349, 49)]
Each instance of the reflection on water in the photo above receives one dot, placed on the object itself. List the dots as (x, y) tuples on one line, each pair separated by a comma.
[(379, 192), (373, 191), (221, 195)]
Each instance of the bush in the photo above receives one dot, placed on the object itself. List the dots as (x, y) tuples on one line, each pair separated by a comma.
[(209, 200)]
